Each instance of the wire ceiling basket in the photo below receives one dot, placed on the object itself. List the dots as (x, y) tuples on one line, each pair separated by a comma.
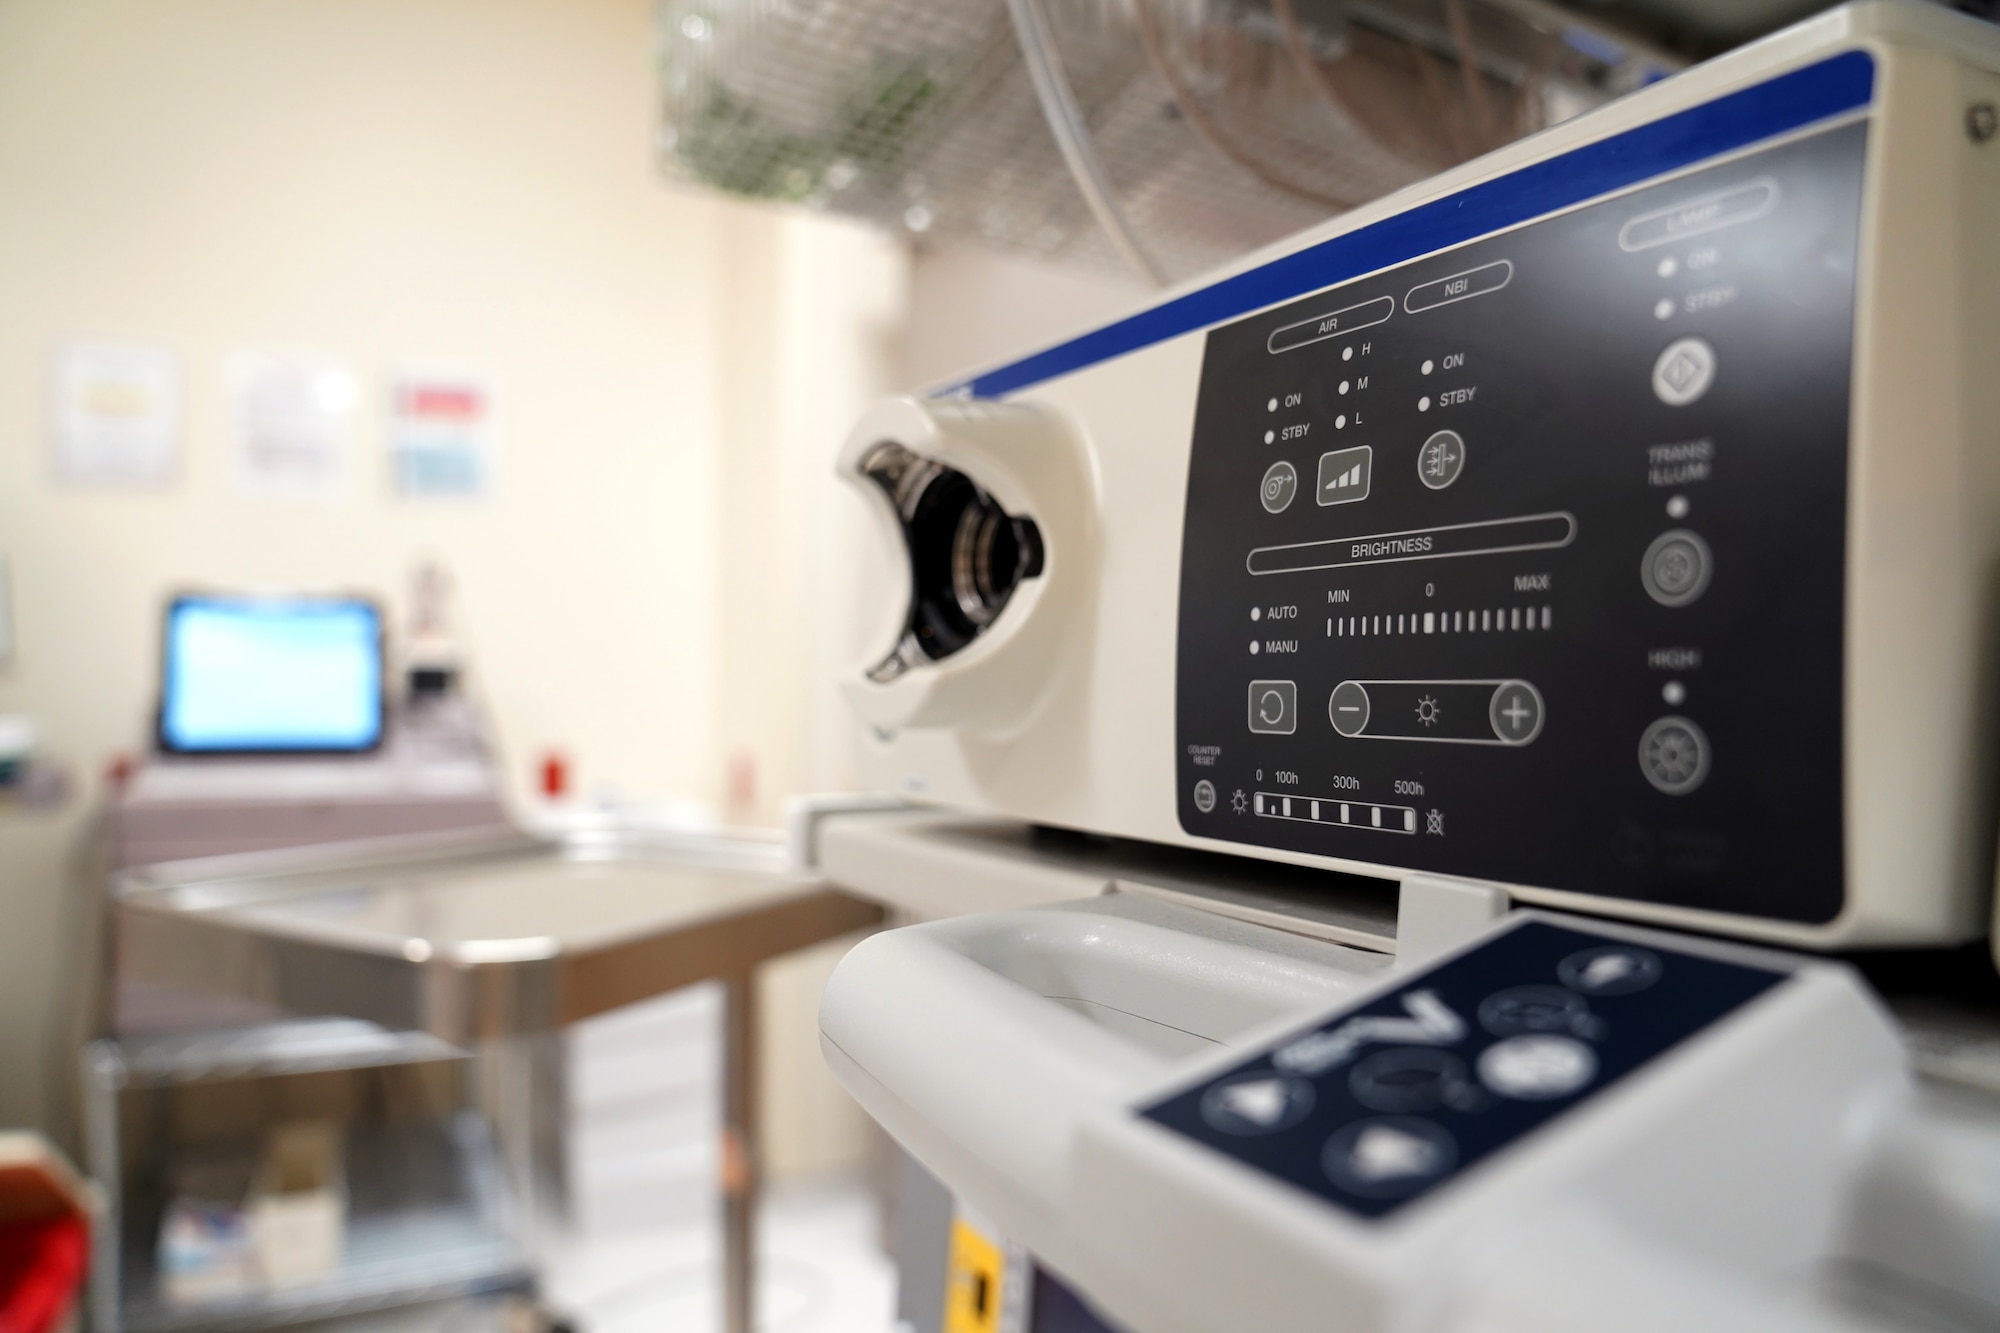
[(1164, 135)]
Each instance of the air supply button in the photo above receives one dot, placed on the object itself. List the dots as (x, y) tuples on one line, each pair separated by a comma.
[(1684, 371), (1676, 568), (1673, 754), (1281, 483), (1344, 474)]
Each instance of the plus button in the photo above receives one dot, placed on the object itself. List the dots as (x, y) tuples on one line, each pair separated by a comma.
[(1515, 713)]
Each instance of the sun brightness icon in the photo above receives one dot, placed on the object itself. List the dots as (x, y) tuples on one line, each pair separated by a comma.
[(1427, 711)]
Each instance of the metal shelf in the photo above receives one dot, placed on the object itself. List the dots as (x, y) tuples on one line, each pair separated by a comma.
[(428, 1221)]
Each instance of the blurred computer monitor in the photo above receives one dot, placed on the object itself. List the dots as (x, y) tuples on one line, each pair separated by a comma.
[(271, 675)]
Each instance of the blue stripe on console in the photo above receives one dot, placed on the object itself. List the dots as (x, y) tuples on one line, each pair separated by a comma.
[(1832, 87)]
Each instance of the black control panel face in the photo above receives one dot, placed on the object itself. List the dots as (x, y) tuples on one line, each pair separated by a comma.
[(1387, 1102), (1525, 561)]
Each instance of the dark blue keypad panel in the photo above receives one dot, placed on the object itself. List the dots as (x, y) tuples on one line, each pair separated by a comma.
[(1387, 1102)]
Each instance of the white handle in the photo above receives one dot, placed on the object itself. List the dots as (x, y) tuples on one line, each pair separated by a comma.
[(980, 1042)]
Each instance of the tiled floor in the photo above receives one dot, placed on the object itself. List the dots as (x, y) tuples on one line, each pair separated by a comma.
[(822, 1271)]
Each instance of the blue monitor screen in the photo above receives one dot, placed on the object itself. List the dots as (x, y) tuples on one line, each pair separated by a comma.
[(252, 675)]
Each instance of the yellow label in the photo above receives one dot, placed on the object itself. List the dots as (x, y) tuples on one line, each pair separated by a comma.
[(972, 1281)]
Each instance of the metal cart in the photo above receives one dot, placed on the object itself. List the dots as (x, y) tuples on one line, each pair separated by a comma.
[(492, 942)]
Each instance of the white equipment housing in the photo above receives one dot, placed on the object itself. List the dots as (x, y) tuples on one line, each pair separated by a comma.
[(1722, 432), (1696, 1136)]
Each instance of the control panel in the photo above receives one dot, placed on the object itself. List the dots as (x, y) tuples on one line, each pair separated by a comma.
[(1388, 1101), (1525, 561)]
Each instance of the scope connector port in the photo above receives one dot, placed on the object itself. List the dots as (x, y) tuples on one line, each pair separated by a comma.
[(967, 555)]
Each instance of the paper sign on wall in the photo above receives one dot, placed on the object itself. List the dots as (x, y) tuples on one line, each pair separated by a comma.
[(116, 417), (288, 424), (441, 434)]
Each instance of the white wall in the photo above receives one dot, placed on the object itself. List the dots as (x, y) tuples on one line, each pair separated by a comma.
[(389, 180), (971, 309), (660, 584)]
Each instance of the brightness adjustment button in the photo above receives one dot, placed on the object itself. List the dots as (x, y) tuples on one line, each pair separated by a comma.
[(1515, 712), (1676, 568)]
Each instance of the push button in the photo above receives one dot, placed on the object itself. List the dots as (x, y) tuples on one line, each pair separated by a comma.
[(1280, 484), (1408, 1078), (1515, 712), (1676, 568), (1520, 1009), (1683, 372), (1673, 754), (1441, 460), (1257, 1104), (1274, 707), (1344, 474), (1348, 707), (1388, 1157), (1611, 969), (1537, 1068)]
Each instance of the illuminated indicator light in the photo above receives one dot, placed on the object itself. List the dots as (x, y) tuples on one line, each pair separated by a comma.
[(1343, 812), (1545, 617), (1260, 803), (1287, 811), (1517, 617), (1486, 620), (1430, 622), (1409, 821), (1375, 815), (1315, 809)]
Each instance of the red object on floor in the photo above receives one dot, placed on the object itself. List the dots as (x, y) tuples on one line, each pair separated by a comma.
[(555, 777), (41, 1270)]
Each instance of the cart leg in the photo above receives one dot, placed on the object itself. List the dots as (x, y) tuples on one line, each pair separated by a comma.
[(739, 1152)]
